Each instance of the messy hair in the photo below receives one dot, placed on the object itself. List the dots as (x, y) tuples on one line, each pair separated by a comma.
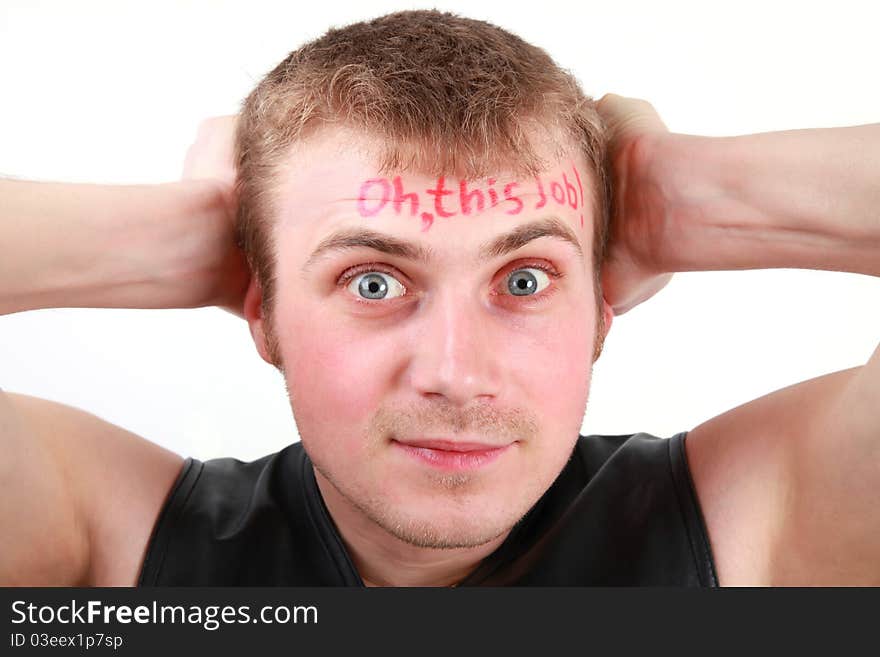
[(444, 95)]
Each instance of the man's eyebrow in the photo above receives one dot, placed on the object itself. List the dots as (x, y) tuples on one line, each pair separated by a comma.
[(352, 238), (522, 235)]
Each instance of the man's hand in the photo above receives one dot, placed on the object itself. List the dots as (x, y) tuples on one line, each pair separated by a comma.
[(211, 157), (632, 271), (212, 154)]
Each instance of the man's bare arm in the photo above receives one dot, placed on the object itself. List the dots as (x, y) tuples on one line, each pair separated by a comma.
[(794, 475), (798, 198), (109, 246), (80, 495)]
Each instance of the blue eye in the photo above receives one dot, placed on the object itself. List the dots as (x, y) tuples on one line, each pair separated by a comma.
[(522, 282), (378, 285), (375, 285)]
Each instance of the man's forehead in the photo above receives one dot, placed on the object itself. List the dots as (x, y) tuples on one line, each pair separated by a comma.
[(335, 199), (310, 189), (324, 166)]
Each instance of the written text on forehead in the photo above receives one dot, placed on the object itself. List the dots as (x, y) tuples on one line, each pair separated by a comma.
[(444, 200)]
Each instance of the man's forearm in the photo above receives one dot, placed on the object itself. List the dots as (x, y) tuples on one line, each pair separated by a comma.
[(78, 245), (799, 198)]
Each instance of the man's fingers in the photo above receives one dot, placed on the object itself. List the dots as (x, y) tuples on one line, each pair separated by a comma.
[(212, 154), (623, 114)]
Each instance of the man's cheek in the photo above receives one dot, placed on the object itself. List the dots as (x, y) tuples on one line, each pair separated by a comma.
[(558, 365), (340, 377)]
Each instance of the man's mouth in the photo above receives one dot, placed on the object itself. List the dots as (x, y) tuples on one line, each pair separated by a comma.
[(451, 455)]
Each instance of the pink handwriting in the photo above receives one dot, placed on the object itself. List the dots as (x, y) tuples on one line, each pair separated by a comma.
[(468, 198)]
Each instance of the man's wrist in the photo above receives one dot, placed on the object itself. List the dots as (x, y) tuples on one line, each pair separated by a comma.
[(693, 183), (168, 252), (710, 221)]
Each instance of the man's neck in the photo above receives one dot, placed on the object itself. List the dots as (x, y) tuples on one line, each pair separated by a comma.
[(382, 559)]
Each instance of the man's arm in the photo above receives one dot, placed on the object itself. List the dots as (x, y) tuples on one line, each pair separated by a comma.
[(80, 495), (788, 483), (117, 246)]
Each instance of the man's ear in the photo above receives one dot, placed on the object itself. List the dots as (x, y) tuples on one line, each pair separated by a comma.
[(261, 331), (608, 314), (604, 328)]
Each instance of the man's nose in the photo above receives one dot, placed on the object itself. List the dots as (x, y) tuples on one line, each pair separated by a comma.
[(455, 355)]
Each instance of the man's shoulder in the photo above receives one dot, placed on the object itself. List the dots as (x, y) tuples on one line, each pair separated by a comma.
[(616, 465), (637, 449), (222, 485), (622, 512), (228, 521)]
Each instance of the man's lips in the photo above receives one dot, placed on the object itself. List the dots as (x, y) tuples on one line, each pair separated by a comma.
[(451, 445), (451, 455)]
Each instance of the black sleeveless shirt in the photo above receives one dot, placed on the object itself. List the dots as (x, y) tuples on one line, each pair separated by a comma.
[(623, 511)]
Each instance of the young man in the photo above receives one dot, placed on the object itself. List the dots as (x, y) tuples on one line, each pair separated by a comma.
[(424, 202)]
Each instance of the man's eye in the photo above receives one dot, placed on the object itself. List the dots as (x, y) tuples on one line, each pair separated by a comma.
[(376, 285), (527, 281)]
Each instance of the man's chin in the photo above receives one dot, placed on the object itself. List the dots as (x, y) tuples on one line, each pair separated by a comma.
[(448, 514), (443, 534), (444, 522)]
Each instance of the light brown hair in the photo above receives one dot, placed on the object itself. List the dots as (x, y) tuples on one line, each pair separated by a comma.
[(446, 95)]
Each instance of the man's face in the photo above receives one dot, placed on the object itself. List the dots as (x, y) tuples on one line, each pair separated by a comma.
[(433, 319)]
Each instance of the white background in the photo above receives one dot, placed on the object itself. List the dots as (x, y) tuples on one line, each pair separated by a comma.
[(113, 92)]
